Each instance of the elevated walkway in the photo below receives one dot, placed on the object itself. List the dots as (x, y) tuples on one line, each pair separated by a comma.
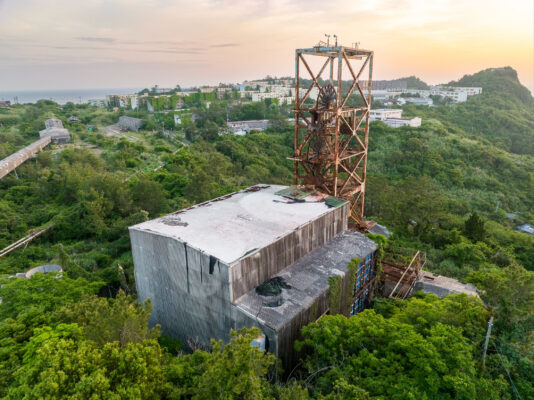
[(11, 162)]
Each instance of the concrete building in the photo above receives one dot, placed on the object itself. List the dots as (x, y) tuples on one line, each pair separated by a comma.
[(44, 269), (123, 100), (134, 102), (456, 94), (384, 85), (420, 101), (398, 122), (241, 128), (526, 228), (222, 92), (393, 118), (441, 285), (100, 103), (206, 268), (5, 103), (54, 129), (283, 98), (381, 114), (379, 95), (131, 123), (313, 93)]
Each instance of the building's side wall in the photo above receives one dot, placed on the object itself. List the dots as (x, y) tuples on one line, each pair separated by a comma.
[(188, 301), (249, 272), (291, 332)]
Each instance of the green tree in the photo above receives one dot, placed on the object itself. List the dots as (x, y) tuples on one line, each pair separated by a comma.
[(105, 320), (149, 196), (236, 370), (418, 351), (60, 364), (474, 228)]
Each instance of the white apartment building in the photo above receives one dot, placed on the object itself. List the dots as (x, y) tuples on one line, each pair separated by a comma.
[(398, 122), (208, 89), (100, 103), (283, 90), (313, 93), (282, 97), (381, 114), (393, 118), (241, 128), (455, 93)]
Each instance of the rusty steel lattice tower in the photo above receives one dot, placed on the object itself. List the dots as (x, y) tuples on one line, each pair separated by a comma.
[(331, 132)]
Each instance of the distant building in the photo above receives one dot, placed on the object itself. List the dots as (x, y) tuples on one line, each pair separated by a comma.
[(526, 228), (384, 85), (380, 114), (54, 129), (243, 127), (72, 118), (123, 100), (177, 119), (5, 104), (208, 89), (44, 269), (222, 91), (379, 95), (313, 93), (100, 103), (420, 101), (398, 122), (134, 103), (393, 118), (442, 286), (131, 123), (456, 94)]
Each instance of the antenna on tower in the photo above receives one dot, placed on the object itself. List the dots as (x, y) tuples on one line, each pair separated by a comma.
[(336, 39), (327, 40)]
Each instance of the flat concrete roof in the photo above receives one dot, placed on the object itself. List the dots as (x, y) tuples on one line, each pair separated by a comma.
[(234, 225), (442, 285), (308, 278)]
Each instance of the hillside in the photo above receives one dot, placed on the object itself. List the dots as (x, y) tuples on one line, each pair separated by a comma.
[(444, 188), (502, 114)]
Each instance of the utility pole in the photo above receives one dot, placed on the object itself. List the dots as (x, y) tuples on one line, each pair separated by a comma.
[(488, 334)]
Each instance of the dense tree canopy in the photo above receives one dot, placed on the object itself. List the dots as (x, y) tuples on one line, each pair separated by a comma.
[(444, 188)]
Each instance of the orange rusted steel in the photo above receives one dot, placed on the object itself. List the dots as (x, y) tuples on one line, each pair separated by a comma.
[(331, 137)]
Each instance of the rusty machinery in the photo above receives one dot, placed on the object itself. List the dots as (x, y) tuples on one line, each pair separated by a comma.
[(331, 132)]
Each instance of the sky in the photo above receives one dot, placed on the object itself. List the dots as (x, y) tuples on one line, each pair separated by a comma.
[(75, 44)]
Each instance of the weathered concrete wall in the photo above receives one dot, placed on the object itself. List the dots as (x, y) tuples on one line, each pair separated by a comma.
[(8, 164), (250, 271), (190, 299), (130, 123)]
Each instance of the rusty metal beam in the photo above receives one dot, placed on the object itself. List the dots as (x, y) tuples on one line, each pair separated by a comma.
[(326, 155)]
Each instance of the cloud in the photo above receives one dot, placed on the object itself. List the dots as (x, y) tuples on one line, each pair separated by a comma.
[(96, 39), (225, 45)]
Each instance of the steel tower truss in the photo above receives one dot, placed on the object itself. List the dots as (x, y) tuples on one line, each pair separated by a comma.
[(332, 132)]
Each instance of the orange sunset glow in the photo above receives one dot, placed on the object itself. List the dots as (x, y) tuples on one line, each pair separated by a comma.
[(119, 43)]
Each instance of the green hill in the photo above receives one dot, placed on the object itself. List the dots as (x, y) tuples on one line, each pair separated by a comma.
[(502, 114)]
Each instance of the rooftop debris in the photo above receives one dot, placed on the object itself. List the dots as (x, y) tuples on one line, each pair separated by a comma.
[(272, 287)]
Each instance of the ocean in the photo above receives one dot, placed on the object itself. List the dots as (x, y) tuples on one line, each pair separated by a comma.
[(77, 96)]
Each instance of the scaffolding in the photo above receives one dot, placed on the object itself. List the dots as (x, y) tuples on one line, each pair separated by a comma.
[(401, 269), (332, 132)]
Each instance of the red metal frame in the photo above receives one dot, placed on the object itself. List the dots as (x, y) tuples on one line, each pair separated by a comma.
[(331, 142)]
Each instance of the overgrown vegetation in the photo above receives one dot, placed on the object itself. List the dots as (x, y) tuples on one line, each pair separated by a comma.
[(444, 188)]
